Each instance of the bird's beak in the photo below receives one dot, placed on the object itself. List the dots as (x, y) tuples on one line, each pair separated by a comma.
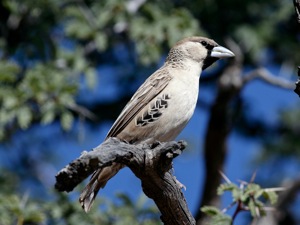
[(216, 53), (221, 52)]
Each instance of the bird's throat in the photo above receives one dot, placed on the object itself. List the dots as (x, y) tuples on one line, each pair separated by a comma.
[(208, 61)]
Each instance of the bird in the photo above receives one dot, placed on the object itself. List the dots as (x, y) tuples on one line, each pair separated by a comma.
[(162, 105)]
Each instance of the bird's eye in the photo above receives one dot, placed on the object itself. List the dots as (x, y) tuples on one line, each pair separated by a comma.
[(204, 43)]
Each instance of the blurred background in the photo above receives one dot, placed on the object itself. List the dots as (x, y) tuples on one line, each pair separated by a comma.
[(68, 67)]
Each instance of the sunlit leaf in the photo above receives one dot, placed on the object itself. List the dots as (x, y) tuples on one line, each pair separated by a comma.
[(24, 117), (226, 187), (252, 208), (91, 78), (216, 216), (272, 196), (211, 210), (48, 117), (66, 120)]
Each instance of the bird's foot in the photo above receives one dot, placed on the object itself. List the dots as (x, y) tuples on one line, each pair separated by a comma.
[(179, 184)]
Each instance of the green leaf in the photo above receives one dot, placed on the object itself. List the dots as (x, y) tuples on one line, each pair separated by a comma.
[(101, 41), (258, 193), (252, 208), (10, 101), (8, 72), (251, 190), (221, 220), (90, 75), (237, 194), (48, 117), (226, 187), (217, 217), (210, 210), (253, 187), (7, 116), (24, 117), (79, 29), (67, 120), (272, 196)]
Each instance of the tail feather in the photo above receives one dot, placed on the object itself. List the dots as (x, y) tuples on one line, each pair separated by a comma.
[(89, 193), (97, 181)]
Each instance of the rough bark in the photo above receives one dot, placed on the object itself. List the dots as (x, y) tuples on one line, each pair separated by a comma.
[(297, 89), (152, 164), (297, 9)]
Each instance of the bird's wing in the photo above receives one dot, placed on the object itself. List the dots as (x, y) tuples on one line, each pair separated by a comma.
[(149, 90)]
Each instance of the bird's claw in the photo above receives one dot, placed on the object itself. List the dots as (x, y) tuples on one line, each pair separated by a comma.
[(180, 185)]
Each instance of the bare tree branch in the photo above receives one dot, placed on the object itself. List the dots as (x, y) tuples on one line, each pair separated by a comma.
[(152, 164), (297, 89), (297, 9), (268, 77), (82, 111)]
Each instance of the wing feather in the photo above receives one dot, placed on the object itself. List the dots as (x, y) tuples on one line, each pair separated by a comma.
[(154, 85)]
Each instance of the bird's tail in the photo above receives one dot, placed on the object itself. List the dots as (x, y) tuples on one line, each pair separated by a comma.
[(97, 181)]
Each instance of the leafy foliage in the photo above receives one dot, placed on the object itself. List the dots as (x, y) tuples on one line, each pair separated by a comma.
[(217, 217), (43, 93), (23, 210), (16, 209), (246, 196)]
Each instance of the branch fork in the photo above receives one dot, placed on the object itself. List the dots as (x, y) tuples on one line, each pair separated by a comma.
[(151, 163)]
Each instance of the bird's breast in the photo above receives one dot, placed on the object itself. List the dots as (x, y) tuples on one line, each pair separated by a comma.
[(164, 117), (168, 113), (183, 99)]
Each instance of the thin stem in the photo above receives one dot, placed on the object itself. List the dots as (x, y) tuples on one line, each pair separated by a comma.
[(238, 209), (228, 207)]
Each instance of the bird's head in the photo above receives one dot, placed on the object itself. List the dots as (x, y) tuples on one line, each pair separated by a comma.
[(201, 50)]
